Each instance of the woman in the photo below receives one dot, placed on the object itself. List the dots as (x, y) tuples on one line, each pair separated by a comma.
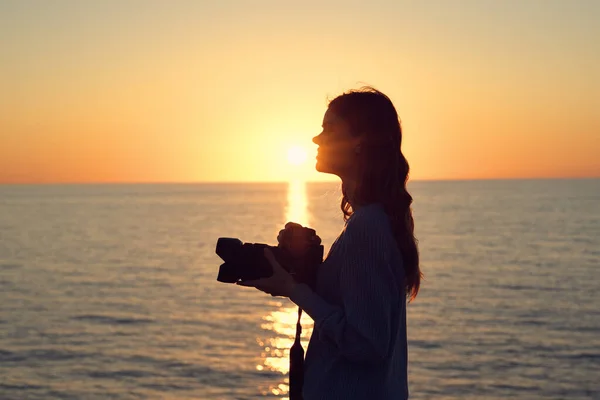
[(358, 348)]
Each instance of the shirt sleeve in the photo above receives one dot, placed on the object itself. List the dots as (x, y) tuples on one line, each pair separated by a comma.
[(362, 328)]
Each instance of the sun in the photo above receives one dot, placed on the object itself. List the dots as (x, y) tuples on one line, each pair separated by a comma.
[(296, 155)]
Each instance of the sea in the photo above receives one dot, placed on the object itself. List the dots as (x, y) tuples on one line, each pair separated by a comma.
[(110, 291)]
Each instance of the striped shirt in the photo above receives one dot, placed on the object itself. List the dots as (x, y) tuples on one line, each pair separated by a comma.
[(358, 348)]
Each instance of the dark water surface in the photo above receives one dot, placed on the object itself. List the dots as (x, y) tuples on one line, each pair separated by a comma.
[(109, 291)]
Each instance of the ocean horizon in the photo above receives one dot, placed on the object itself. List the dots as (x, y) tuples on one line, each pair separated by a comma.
[(333, 181)]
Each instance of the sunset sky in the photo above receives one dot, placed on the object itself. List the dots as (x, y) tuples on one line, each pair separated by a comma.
[(184, 91)]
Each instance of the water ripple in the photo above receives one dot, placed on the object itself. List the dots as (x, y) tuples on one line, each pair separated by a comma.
[(103, 319)]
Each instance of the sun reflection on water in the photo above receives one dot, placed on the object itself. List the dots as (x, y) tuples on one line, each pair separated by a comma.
[(280, 330), (280, 325), (296, 210)]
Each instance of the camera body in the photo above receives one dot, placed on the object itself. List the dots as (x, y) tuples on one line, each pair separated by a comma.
[(246, 261)]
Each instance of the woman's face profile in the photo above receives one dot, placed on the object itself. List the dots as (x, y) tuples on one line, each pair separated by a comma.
[(337, 147)]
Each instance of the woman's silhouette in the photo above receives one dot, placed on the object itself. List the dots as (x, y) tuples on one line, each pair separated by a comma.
[(358, 348)]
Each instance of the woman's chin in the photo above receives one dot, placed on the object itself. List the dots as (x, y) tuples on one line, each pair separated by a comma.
[(323, 167), (319, 166)]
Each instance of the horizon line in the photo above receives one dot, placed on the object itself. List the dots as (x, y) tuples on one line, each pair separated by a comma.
[(227, 182)]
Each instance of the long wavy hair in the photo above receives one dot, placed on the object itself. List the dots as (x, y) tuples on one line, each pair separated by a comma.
[(383, 170)]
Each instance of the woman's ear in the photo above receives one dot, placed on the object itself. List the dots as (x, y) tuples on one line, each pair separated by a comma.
[(358, 143)]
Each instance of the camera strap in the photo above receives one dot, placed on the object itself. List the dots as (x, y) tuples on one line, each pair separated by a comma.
[(296, 374)]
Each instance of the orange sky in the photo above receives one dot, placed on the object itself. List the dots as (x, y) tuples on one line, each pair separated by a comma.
[(157, 91)]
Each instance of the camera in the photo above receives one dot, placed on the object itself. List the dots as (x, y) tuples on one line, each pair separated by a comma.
[(246, 261)]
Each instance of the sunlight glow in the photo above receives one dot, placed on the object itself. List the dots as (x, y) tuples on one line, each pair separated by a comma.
[(297, 155)]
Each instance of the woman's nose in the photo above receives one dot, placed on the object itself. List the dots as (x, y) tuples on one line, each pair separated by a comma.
[(316, 139)]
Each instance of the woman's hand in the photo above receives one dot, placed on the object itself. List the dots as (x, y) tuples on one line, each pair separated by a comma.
[(297, 239), (280, 283)]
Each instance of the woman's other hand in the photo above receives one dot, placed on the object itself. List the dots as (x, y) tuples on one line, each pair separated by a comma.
[(280, 283)]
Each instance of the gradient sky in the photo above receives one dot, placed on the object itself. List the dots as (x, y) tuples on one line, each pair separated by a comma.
[(144, 91)]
